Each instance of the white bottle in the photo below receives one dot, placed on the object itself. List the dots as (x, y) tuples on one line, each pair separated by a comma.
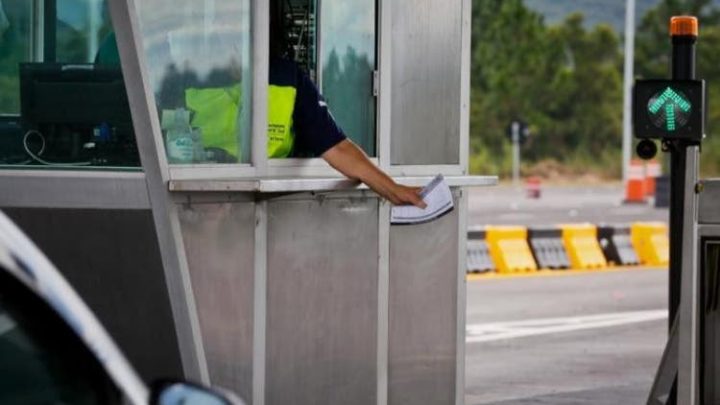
[(179, 143)]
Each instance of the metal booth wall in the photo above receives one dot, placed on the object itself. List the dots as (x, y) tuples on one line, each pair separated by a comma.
[(707, 314), (276, 278), (75, 185)]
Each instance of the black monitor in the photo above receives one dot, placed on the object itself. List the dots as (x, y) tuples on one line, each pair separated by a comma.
[(75, 105)]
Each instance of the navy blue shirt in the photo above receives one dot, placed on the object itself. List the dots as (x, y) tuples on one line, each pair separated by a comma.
[(315, 128)]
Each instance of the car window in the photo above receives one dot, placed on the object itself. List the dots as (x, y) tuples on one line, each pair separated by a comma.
[(42, 361)]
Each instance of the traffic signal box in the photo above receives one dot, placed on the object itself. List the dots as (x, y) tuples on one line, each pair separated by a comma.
[(669, 109)]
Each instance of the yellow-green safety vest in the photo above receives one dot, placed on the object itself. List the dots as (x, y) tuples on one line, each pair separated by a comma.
[(216, 114)]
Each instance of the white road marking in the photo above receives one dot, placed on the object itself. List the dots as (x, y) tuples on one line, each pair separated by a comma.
[(489, 332)]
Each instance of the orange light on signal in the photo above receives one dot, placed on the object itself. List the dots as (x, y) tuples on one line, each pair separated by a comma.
[(684, 26)]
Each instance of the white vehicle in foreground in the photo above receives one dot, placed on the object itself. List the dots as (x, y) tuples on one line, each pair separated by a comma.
[(54, 351)]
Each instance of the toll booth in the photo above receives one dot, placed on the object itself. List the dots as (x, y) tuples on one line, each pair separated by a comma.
[(708, 310), (133, 150)]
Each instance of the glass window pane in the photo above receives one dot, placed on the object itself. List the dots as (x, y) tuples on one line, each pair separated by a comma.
[(348, 43), (62, 107), (338, 56), (81, 27), (198, 57), (15, 34)]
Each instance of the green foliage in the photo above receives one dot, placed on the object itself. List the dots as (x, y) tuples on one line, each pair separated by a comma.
[(652, 60), (564, 80)]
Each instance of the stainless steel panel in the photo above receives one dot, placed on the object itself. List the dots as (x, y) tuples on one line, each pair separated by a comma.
[(219, 245), (68, 189), (148, 135), (709, 202), (423, 312), (426, 93), (710, 343), (111, 258), (322, 301), (688, 379)]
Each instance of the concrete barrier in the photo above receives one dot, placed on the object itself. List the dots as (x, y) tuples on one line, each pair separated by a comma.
[(478, 252), (509, 249), (548, 248), (513, 249), (651, 243), (479, 259), (582, 246), (616, 245)]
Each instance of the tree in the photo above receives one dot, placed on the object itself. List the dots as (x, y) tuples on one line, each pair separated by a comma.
[(508, 63), (652, 60), (564, 80)]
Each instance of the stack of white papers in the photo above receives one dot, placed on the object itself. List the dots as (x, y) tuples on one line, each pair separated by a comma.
[(438, 198)]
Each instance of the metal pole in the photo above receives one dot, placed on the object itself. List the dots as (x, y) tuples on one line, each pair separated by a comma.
[(628, 83), (516, 153), (683, 68)]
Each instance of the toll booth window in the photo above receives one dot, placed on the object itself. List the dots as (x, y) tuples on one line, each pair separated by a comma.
[(334, 44), (63, 103), (198, 57)]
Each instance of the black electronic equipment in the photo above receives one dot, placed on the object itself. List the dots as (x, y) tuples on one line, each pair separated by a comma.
[(669, 109), (80, 112)]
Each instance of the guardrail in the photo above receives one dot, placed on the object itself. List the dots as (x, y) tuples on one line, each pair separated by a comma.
[(513, 249)]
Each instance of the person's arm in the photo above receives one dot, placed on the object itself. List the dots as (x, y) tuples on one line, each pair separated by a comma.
[(351, 161)]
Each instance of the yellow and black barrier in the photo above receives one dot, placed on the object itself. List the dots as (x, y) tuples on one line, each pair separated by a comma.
[(650, 241), (509, 249), (617, 246), (514, 249), (582, 246)]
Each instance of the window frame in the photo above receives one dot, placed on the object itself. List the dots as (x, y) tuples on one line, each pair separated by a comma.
[(260, 166)]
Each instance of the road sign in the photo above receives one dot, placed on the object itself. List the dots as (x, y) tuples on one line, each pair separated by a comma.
[(518, 132), (669, 109), (519, 129)]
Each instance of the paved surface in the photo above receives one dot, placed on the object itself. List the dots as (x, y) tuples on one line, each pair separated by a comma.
[(587, 338), (506, 205)]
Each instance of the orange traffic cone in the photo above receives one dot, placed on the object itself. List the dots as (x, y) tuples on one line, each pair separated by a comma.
[(652, 172), (635, 188)]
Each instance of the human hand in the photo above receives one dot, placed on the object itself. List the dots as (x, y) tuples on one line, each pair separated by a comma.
[(404, 195)]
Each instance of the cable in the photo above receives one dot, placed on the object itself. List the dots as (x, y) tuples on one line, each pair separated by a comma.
[(42, 149)]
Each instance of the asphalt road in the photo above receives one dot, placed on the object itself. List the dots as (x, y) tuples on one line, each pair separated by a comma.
[(583, 338), (507, 205)]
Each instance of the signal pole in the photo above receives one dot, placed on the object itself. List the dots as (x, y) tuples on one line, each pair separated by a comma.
[(515, 135), (627, 87), (682, 277), (681, 129)]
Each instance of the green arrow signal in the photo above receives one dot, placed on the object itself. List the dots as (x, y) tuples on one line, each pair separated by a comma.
[(670, 99)]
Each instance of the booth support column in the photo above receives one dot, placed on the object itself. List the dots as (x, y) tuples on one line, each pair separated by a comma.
[(165, 216)]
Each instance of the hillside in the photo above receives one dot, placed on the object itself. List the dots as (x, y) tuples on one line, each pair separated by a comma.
[(595, 11)]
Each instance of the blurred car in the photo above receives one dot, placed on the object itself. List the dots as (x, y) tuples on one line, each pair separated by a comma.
[(54, 351)]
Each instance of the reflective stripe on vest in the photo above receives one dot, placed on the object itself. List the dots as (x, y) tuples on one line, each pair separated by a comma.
[(281, 103), (216, 113)]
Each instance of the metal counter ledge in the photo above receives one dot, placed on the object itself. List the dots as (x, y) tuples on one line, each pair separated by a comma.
[(279, 185)]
